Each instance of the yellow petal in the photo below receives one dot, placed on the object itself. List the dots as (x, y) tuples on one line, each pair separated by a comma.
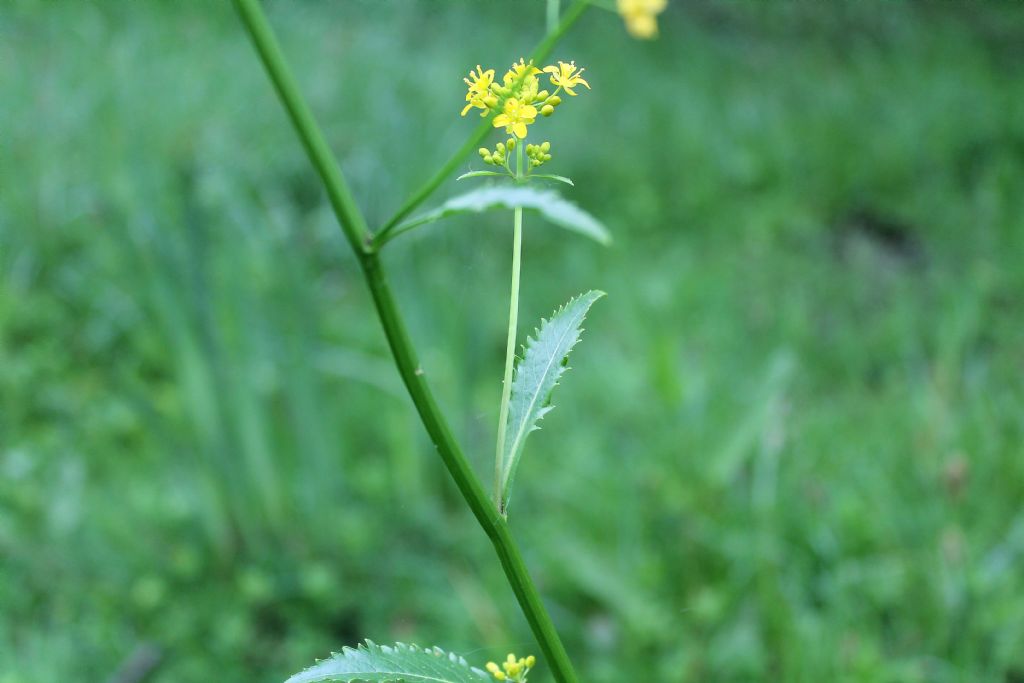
[(502, 120), (642, 25), (519, 129), (467, 108)]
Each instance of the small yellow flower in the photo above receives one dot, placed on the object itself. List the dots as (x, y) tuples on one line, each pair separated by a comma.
[(641, 16), (516, 117), (479, 94), (515, 670), (566, 76), (529, 91), (520, 72)]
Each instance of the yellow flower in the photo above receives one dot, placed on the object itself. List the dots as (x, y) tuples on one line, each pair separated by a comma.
[(566, 76), (516, 117), (479, 94), (515, 670), (641, 16), (520, 72), (528, 93)]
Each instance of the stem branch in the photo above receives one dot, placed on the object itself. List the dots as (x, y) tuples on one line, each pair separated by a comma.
[(354, 227)]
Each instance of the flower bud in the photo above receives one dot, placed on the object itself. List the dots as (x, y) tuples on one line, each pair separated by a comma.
[(530, 661), (491, 101), (554, 100), (511, 143), (545, 147), (483, 152), (547, 157), (547, 110), (542, 95)]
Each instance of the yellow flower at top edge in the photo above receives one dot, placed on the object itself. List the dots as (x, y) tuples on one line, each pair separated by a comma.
[(641, 16), (479, 94), (516, 117), (566, 76)]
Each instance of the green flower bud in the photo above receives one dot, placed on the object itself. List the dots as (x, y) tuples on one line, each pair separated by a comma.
[(488, 159), (542, 95), (491, 101), (547, 110), (500, 147), (483, 152), (554, 100), (547, 157), (545, 147), (511, 143)]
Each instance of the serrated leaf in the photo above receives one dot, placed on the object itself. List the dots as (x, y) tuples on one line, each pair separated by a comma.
[(548, 203), (536, 377), (372, 663)]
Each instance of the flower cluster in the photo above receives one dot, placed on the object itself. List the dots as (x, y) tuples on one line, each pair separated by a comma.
[(641, 16), (499, 156), (515, 670), (538, 154), (518, 99)]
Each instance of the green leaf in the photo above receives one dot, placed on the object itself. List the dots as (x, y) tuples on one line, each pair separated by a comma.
[(372, 663), (481, 174), (537, 375), (559, 178), (548, 203)]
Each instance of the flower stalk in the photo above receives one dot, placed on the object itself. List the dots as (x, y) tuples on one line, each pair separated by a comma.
[(510, 346)]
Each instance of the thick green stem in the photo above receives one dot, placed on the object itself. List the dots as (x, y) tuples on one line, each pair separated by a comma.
[(354, 226), (480, 132)]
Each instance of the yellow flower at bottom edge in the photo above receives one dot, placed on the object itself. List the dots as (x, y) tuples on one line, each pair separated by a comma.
[(641, 16), (516, 117)]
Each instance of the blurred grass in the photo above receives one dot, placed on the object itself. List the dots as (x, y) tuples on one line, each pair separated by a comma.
[(790, 446)]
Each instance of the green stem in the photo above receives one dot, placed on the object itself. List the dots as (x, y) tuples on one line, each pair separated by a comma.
[(354, 227), (510, 345), (473, 143), (553, 7)]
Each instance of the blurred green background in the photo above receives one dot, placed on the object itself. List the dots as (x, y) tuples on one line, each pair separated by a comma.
[(790, 446)]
